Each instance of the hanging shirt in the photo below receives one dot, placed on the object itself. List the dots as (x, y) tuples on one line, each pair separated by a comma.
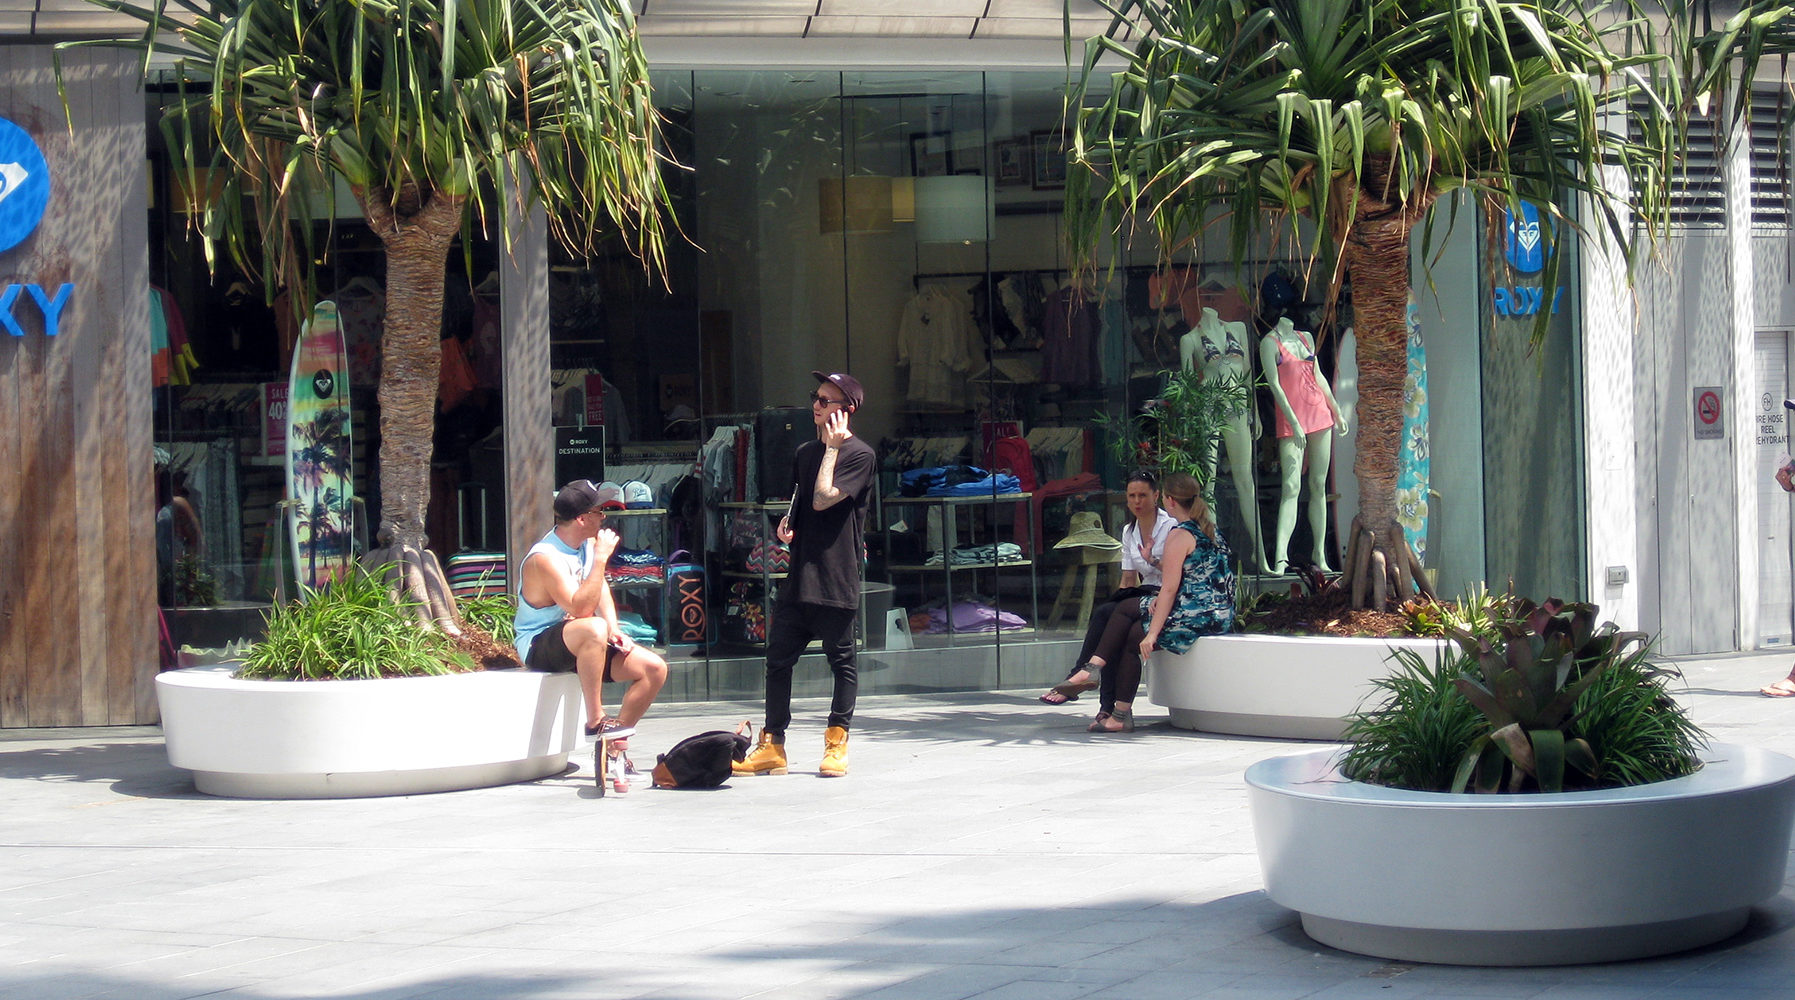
[(939, 343), (1069, 346)]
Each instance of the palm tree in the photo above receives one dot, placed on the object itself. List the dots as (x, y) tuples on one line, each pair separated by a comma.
[(1335, 125), (442, 116)]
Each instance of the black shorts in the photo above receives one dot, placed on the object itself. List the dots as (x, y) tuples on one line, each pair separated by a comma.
[(549, 653)]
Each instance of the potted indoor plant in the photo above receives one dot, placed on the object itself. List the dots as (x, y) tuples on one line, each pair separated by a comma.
[(1551, 804), (348, 696)]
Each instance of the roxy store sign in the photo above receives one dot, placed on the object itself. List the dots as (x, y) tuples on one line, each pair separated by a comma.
[(24, 193), (1526, 250)]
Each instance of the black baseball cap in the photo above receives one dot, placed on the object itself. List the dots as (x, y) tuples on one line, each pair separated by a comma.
[(848, 384), (578, 497)]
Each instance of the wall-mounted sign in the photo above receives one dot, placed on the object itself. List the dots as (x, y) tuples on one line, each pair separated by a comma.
[(24, 185), (1527, 247), (1708, 411), (579, 454)]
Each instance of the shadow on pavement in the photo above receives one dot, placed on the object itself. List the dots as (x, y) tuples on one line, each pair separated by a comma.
[(139, 769)]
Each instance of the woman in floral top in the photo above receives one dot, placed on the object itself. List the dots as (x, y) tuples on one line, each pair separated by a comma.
[(1195, 599)]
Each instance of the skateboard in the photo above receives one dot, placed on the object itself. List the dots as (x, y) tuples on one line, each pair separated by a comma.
[(610, 764)]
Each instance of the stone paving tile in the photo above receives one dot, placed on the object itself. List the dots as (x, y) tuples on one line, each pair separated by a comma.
[(984, 846)]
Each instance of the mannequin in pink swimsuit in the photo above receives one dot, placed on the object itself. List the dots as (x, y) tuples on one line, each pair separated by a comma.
[(1306, 411)]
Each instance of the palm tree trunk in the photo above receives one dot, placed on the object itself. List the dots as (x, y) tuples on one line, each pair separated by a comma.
[(417, 246), (1377, 260)]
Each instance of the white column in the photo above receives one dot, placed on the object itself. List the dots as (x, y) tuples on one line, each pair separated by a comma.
[(1742, 380), (1609, 333)]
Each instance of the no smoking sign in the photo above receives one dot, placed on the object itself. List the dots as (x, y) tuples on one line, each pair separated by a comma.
[(1708, 411)]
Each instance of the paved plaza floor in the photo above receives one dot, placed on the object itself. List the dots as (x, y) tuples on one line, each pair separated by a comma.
[(983, 846)]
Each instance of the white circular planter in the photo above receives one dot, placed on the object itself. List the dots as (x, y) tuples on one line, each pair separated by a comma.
[(1539, 879), (343, 739), (1286, 686)]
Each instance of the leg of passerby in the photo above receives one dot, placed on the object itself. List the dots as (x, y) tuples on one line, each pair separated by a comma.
[(786, 638), (645, 672), (1113, 647), (588, 640), (1127, 672), (1079, 678), (1783, 688), (835, 626)]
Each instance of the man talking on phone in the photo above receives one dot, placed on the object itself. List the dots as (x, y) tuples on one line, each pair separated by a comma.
[(566, 619), (820, 596)]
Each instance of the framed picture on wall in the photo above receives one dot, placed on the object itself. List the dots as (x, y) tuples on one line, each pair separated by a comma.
[(1048, 147), (1010, 162), (929, 155)]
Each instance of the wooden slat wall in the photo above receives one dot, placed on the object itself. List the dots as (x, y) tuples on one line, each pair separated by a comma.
[(77, 599)]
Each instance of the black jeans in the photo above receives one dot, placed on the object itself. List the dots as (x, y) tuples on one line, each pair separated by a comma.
[(1093, 633), (794, 626), (1121, 652)]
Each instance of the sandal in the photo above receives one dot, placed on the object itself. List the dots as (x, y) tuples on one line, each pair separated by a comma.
[(1071, 690), (1097, 724), (1119, 721), (1784, 688), (1055, 696)]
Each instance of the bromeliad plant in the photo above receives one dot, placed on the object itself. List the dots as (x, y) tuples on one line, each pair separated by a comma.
[(1545, 701)]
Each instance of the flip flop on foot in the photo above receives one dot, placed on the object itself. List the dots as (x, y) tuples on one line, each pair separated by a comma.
[(1784, 688), (1055, 696)]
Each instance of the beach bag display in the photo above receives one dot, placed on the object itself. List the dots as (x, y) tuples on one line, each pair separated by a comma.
[(474, 572), (689, 620), (702, 761)]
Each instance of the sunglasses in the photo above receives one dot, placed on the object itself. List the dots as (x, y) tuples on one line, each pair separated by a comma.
[(817, 397)]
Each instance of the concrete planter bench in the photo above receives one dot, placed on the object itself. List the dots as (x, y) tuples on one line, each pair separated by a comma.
[(1286, 686), (344, 739), (1539, 879)]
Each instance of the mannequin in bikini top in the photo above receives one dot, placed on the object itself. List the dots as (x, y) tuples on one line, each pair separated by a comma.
[(1306, 411), (1218, 349)]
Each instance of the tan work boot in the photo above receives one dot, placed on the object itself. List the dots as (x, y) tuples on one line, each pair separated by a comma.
[(835, 752), (767, 757)]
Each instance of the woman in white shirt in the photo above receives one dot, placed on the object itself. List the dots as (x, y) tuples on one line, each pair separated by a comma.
[(1143, 546)]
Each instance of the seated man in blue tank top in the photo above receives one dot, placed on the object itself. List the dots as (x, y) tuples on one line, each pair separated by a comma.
[(566, 619)]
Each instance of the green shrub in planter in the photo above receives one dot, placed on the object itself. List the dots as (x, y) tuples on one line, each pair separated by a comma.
[(1543, 701), (496, 613), (352, 629)]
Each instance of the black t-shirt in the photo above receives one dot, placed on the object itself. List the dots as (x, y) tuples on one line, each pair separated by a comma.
[(827, 544)]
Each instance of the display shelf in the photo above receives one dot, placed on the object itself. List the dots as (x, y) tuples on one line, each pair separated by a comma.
[(956, 567), (744, 574), (950, 508)]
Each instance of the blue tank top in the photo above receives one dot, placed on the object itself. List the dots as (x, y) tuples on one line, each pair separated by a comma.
[(529, 620)]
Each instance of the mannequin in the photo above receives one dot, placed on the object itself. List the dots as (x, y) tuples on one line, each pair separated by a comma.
[(1219, 348), (1306, 411)]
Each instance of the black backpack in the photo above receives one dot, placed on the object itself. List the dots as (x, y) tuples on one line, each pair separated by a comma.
[(702, 761)]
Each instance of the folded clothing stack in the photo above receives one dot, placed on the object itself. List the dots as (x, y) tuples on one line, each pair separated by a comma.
[(980, 555), (635, 566), (971, 616)]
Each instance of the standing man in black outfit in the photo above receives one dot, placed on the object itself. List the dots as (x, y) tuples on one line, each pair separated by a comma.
[(833, 481)]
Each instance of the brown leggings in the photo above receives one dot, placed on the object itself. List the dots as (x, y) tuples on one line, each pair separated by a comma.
[(1120, 649)]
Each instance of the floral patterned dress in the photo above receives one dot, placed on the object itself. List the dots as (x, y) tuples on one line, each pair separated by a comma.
[(1205, 601)]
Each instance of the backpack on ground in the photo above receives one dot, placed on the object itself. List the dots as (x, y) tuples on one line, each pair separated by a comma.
[(702, 761)]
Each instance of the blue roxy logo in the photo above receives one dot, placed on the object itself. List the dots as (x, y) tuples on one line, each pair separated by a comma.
[(1526, 240), (24, 185)]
